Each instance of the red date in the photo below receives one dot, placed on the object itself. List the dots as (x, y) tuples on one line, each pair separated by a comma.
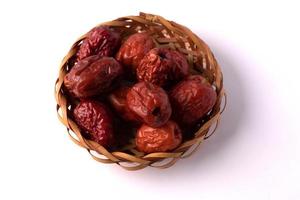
[(134, 49), (162, 66), (191, 99), (162, 139), (150, 103), (93, 118), (92, 76), (118, 100), (101, 41)]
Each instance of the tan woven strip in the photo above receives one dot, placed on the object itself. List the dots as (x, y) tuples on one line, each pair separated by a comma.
[(140, 20), (102, 160), (225, 102), (213, 131), (162, 155), (132, 168), (189, 143), (75, 140), (127, 157), (101, 150), (76, 131), (185, 155), (116, 23), (169, 164)]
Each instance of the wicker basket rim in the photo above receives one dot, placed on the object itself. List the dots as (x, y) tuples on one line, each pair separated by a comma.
[(180, 36)]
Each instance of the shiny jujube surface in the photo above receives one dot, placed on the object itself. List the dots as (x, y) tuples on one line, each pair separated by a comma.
[(92, 76), (134, 49), (150, 103), (162, 67), (161, 139), (192, 99), (118, 100), (100, 41), (94, 118)]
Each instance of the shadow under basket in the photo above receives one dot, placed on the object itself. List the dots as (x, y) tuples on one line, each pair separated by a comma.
[(166, 34)]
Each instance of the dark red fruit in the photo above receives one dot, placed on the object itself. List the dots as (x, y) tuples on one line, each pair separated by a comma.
[(150, 103), (118, 100), (162, 139), (101, 41), (162, 67), (92, 76), (134, 49), (191, 99), (93, 118)]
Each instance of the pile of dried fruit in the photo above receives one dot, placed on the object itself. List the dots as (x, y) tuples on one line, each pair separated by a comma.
[(134, 89)]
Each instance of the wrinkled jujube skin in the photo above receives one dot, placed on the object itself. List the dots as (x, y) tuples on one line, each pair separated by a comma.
[(134, 49), (191, 99), (161, 139), (101, 41), (118, 100), (94, 118), (162, 67), (92, 76), (150, 103)]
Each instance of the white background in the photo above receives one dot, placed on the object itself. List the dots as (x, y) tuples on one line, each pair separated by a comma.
[(255, 153)]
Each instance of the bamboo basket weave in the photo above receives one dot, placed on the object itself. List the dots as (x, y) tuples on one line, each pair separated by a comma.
[(166, 34)]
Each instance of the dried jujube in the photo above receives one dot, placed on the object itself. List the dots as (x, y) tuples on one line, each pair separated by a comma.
[(191, 99), (118, 100), (134, 49), (101, 41), (161, 139), (149, 103), (92, 76), (162, 67), (94, 119)]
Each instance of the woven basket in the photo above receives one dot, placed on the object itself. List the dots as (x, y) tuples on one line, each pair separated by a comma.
[(166, 34)]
